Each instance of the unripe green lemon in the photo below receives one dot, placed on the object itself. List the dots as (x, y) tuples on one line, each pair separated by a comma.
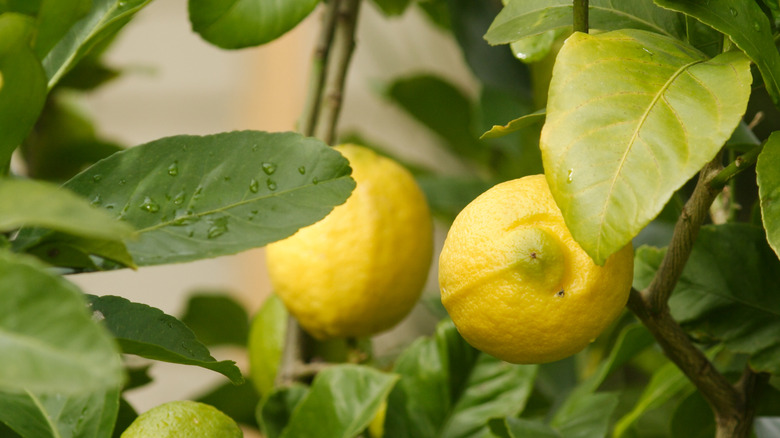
[(183, 419), (360, 270), (518, 286)]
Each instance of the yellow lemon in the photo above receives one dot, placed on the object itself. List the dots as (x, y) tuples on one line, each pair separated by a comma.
[(360, 270), (518, 286), (183, 419)]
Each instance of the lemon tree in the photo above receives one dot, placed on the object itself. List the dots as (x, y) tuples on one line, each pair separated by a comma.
[(603, 182)]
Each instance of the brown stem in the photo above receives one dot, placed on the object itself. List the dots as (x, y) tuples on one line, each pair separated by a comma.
[(336, 70)]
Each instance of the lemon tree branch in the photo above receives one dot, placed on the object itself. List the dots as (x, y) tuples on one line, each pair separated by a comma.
[(581, 16), (729, 402)]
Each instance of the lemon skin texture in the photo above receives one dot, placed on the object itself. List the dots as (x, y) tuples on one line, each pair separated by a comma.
[(518, 286), (183, 419), (360, 270)]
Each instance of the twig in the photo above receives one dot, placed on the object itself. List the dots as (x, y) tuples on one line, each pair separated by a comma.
[(739, 164), (311, 108), (336, 70), (581, 16)]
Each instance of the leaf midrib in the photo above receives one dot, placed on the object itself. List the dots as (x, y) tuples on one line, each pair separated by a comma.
[(641, 121)]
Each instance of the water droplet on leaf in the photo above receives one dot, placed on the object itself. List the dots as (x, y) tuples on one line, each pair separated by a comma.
[(733, 12), (271, 185), (315, 180), (569, 176), (269, 168), (302, 170), (254, 186), (179, 198), (97, 200), (149, 205), (756, 27), (173, 169), (97, 178), (218, 227)]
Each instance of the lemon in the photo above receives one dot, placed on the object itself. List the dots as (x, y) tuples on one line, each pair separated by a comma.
[(360, 270), (180, 419), (518, 286)]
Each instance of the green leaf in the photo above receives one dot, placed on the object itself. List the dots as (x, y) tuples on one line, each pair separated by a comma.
[(148, 332), (525, 18), (693, 418), (631, 103), (668, 382), (22, 84), (392, 7), (127, 414), (728, 291), (341, 402), (104, 20), (38, 204), (217, 319), (449, 389), (586, 417), (443, 108), (70, 251), (535, 48), (448, 195), (48, 342), (55, 17), (747, 26), (235, 24), (517, 124), (236, 401), (522, 428), (768, 177), (194, 197), (266, 343), (79, 415), (274, 411)]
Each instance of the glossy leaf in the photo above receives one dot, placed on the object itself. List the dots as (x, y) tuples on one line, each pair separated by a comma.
[(525, 18), (235, 24), (193, 197), (22, 84), (103, 21), (55, 17), (747, 26), (515, 125), (34, 203), (48, 342), (342, 401), (631, 117), (449, 389), (274, 411), (69, 251), (217, 319), (768, 177), (522, 428), (728, 291), (266, 343), (535, 48), (148, 332), (587, 417), (87, 415)]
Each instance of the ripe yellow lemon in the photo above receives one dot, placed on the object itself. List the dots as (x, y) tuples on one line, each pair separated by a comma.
[(518, 286), (183, 419), (360, 270)]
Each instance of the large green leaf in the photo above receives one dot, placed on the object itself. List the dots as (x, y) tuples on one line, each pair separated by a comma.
[(266, 343), (341, 402), (747, 26), (525, 18), (515, 125), (55, 17), (104, 19), (22, 84), (449, 389), (729, 291), (48, 341), (34, 203), (235, 24), (148, 332), (768, 176), (86, 415), (193, 197), (274, 411), (631, 117)]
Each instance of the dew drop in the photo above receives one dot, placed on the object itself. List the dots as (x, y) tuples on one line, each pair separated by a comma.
[(97, 177), (97, 200), (315, 180), (122, 182), (197, 193), (218, 227), (254, 186), (271, 185), (227, 179), (649, 52), (254, 148), (109, 206), (756, 27), (149, 205), (269, 168), (173, 169), (569, 176), (184, 217), (179, 198), (302, 170), (733, 12)]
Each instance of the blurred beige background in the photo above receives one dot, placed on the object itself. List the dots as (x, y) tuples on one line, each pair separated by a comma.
[(175, 83)]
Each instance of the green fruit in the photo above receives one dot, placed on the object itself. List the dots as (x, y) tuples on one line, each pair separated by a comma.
[(183, 419)]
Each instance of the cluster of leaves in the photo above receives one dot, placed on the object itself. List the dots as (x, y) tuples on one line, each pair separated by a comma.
[(630, 113)]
